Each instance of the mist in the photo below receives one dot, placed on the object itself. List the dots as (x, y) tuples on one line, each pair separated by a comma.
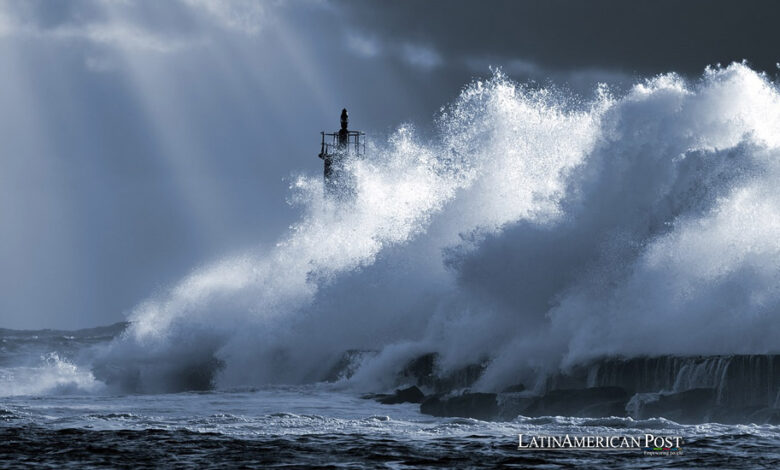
[(142, 140), (535, 232), (520, 210)]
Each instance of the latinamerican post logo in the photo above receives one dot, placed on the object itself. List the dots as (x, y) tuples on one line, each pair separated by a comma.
[(649, 444)]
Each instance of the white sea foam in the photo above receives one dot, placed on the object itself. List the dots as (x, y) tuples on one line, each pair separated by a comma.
[(536, 230), (52, 375)]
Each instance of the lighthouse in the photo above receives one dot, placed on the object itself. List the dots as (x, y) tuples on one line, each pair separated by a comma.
[(336, 149)]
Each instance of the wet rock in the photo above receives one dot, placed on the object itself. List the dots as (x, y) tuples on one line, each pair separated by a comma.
[(346, 365), (511, 405), (406, 395), (468, 405), (514, 388), (690, 406), (461, 378), (585, 402), (420, 370), (423, 371), (743, 414), (766, 416), (604, 410), (740, 380)]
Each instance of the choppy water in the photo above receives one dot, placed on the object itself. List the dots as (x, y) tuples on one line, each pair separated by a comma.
[(531, 228), (316, 426), (536, 230), (54, 413)]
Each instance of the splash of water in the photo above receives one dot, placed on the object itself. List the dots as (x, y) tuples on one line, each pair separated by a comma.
[(50, 375), (536, 230)]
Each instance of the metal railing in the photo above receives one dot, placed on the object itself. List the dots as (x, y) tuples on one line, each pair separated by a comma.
[(354, 145)]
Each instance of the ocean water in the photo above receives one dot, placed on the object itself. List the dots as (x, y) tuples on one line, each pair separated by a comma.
[(66, 419), (535, 231), (315, 426)]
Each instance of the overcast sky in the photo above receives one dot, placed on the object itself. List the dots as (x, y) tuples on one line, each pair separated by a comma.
[(142, 139)]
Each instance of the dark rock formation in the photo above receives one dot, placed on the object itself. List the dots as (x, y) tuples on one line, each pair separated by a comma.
[(739, 380), (424, 372), (762, 415), (346, 365), (690, 406), (406, 395), (420, 370), (161, 377), (728, 389), (514, 388), (512, 405), (693, 389), (587, 402), (468, 405)]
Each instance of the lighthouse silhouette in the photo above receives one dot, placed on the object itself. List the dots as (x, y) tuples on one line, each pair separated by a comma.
[(336, 151)]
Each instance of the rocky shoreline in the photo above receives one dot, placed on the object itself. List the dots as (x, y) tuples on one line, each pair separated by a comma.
[(685, 389)]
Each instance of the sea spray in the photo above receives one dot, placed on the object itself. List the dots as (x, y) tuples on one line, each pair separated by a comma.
[(49, 375), (535, 231)]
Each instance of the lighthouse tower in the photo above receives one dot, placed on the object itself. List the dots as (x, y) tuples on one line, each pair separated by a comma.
[(336, 149)]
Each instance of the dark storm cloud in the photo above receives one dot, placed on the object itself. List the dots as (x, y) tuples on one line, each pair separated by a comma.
[(643, 36), (141, 139)]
